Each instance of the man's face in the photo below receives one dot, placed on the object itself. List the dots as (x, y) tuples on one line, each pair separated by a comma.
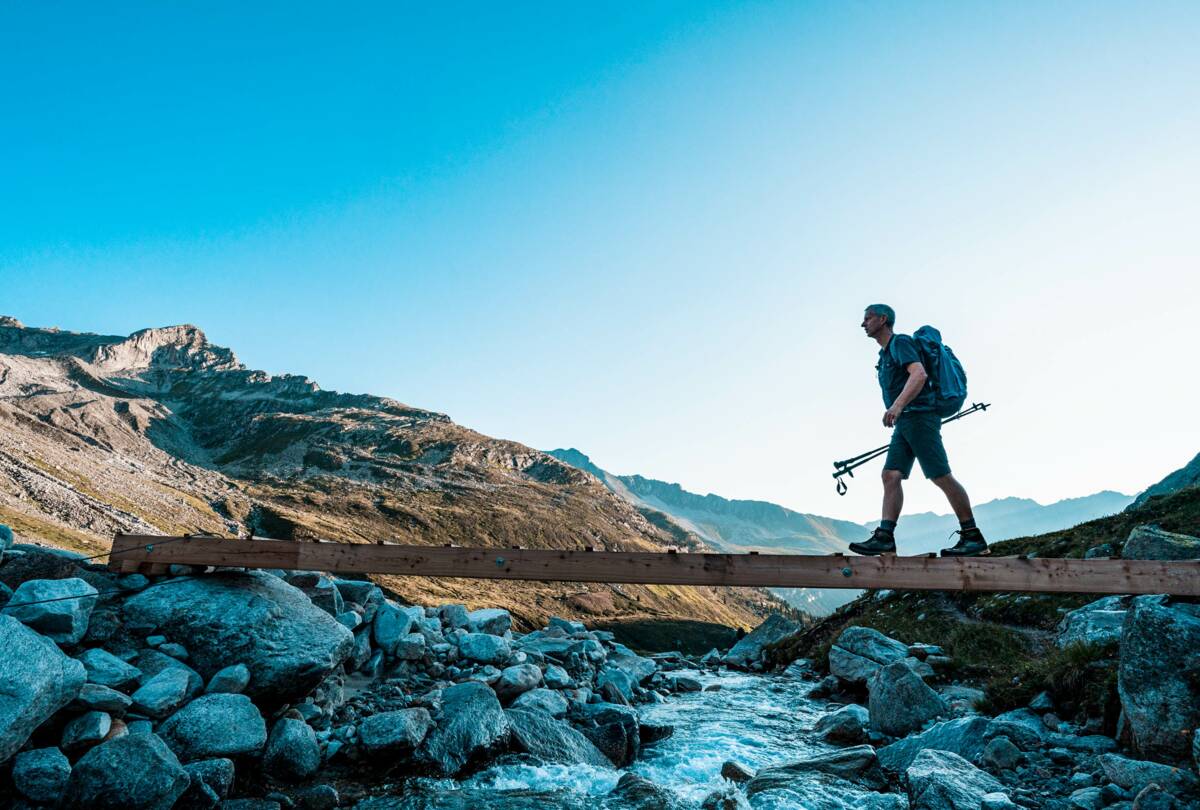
[(873, 323)]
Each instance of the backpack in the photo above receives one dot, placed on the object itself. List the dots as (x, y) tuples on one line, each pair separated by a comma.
[(945, 372)]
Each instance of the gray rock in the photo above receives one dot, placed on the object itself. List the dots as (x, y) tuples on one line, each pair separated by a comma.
[(471, 725), (324, 594), (615, 730), (36, 680), (316, 797), (65, 620), (617, 679), (495, 621), (232, 679), (292, 753), (517, 680), (846, 726), (289, 644), (361, 592), (41, 775), (217, 725), (1102, 551), (1022, 726), (177, 651), (545, 700), (735, 772), (134, 772), (94, 697), (1099, 622), (392, 623), (484, 648), (1152, 543), (1134, 775), (454, 616), (857, 765), (963, 736), (551, 740), (350, 619), (106, 669), (940, 780), (211, 781), (86, 730), (1160, 694), (900, 702), (556, 677), (1088, 798), (749, 649), (1001, 753), (996, 801), (685, 684), (163, 693), (860, 652), (567, 625), (395, 732), (411, 647)]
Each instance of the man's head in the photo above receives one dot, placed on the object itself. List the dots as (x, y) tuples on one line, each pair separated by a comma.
[(877, 318)]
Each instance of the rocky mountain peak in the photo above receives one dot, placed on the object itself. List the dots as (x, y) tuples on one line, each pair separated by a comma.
[(10, 321), (183, 346)]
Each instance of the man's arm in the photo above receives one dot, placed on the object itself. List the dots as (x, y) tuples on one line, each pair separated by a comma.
[(916, 381)]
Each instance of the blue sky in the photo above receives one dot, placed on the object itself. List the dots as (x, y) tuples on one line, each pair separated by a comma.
[(644, 230)]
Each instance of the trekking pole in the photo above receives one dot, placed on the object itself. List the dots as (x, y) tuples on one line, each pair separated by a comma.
[(847, 466)]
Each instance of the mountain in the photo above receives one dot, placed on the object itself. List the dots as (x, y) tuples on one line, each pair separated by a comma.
[(163, 432), (1004, 519), (1186, 476)]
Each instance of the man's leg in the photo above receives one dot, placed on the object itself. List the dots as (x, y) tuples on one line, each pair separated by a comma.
[(970, 539), (893, 495), (960, 502)]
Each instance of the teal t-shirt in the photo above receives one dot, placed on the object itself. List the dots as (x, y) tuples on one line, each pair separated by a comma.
[(894, 360)]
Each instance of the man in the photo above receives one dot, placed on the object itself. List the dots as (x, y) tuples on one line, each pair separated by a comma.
[(917, 435)]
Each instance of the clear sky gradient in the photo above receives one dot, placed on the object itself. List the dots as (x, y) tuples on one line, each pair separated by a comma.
[(646, 230)]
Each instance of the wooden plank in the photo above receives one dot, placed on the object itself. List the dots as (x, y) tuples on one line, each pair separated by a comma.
[(773, 570)]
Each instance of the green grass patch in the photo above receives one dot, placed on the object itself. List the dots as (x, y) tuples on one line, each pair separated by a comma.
[(1082, 680)]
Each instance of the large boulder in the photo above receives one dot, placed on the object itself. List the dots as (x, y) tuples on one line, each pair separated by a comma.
[(1134, 775), (749, 649), (292, 752), (546, 700), (1098, 622), (216, 725), (36, 680), (964, 736), (1152, 543), (57, 608), (614, 729), (846, 726), (900, 702), (470, 726), (940, 780), (857, 765), (133, 772), (860, 652), (211, 781), (41, 775), (1158, 677), (495, 621), (392, 623), (517, 680), (396, 732), (163, 693), (106, 669), (552, 740), (484, 648), (289, 644)]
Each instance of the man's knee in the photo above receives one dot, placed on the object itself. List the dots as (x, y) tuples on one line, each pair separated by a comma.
[(945, 481), (892, 478)]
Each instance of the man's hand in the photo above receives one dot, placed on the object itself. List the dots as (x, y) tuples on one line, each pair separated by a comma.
[(891, 415)]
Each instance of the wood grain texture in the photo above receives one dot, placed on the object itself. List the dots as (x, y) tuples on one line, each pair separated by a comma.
[(756, 570)]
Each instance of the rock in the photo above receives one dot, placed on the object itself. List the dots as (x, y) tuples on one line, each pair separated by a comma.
[(36, 680), (471, 725), (961, 699), (940, 780), (857, 765), (484, 648), (860, 652), (638, 793), (614, 729), (397, 732), (1134, 775), (317, 797), (749, 649), (65, 620), (551, 740), (41, 775), (134, 772), (846, 726), (684, 684), (94, 697), (288, 644), (996, 801), (963, 736), (493, 621), (86, 730), (152, 662), (232, 680), (1102, 551), (726, 798), (1001, 754), (411, 647), (211, 781), (1152, 543), (735, 772), (637, 667), (292, 753), (217, 725), (323, 593), (1088, 798), (163, 693), (454, 616), (546, 700), (556, 677), (567, 625), (1022, 726), (653, 732), (106, 669), (900, 702), (1157, 677), (349, 619), (618, 679), (1042, 702), (1099, 623), (392, 623)]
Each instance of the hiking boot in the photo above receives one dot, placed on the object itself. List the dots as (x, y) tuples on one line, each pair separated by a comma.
[(970, 544), (880, 542)]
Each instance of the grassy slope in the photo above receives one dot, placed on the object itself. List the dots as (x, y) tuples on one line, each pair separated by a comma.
[(1004, 641)]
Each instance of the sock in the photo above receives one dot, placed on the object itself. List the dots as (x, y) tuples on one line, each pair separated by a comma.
[(967, 524), (888, 526)]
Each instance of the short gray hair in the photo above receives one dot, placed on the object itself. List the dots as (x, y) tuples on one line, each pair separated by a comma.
[(884, 311)]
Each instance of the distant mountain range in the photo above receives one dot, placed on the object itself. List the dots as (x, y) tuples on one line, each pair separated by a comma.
[(740, 526)]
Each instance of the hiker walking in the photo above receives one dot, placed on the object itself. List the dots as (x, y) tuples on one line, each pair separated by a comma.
[(917, 435)]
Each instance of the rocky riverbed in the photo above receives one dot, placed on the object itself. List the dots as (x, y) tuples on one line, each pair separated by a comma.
[(271, 689)]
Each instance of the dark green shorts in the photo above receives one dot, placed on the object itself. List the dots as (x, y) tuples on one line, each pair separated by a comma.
[(918, 436)]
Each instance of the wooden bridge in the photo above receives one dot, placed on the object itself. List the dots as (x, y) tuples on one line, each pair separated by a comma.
[(152, 554)]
